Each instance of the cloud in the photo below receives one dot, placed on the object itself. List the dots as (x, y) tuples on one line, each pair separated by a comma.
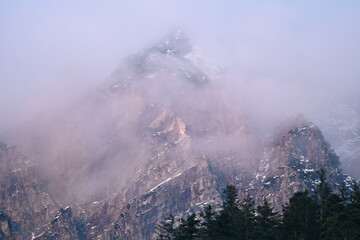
[(275, 59)]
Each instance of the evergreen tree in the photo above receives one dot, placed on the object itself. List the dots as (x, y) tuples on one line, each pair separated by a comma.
[(207, 215), (165, 230), (325, 198), (345, 224), (266, 222), (355, 194), (230, 201), (226, 223), (300, 218), (188, 229), (330, 204), (208, 225), (246, 221), (344, 194), (235, 220)]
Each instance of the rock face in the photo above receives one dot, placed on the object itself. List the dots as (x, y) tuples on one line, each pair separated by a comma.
[(157, 140), (64, 225), (25, 204), (188, 191), (177, 181), (292, 164)]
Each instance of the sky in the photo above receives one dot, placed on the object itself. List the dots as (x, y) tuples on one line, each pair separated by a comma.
[(51, 51)]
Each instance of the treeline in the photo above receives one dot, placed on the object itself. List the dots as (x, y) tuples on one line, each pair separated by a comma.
[(324, 215)]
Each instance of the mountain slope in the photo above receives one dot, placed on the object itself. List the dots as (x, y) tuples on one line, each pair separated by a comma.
[(291, 165), (157, 139), (293, 162), (25, 204)]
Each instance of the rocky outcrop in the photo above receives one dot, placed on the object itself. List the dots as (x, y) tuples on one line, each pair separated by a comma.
[(187, 191), (25, 204), (8, 227), (64, 225), (289, 166), (293, 162), (175, 179)]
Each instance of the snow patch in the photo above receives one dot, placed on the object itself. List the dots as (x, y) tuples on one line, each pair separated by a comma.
[(152, 190)]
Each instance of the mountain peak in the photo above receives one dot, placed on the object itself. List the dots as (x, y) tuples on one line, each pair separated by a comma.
[(175, 43), (170, 58)]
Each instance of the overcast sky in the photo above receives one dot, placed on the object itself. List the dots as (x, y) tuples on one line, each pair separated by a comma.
[(52, 50)]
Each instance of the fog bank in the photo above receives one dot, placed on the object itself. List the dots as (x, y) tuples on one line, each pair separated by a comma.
[(262, 62)]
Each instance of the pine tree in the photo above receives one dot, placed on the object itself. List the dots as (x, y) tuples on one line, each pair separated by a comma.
[(266, 222), (230, 201), (246, 221), (235, 220), (330, 204), (355, 195), (226, 224), (165, 230), (344, 194), (300, 218), (323, 194), (345, 224), (207, 229), (188, 229)]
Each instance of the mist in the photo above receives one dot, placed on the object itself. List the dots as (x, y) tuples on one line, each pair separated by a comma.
[(54, 50), (269, 60)]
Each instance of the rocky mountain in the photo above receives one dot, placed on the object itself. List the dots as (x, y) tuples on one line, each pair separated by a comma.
[(156, 139), (293, 162), (288, 166), (25, 203)]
